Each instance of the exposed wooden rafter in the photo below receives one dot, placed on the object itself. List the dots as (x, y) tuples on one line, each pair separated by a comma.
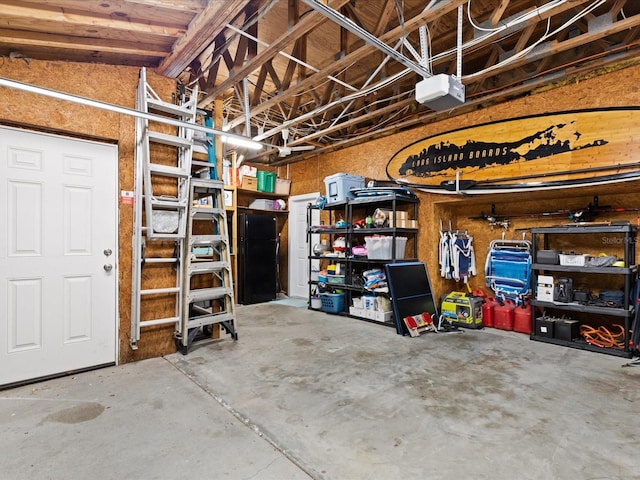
[(306, 72)]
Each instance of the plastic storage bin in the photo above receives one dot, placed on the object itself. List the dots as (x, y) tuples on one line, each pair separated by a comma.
[(336, 279), (338, 187), (266, 181), (263, 204), (380, 248), (332, 302), (573, 260), (283, 186)]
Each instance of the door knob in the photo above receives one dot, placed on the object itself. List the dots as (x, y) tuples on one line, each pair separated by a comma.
[(108, 267), (107, 252)]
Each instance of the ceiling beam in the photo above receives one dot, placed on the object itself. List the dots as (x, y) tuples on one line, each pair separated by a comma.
[(16, 38), (49, 19), (332, 66), (308, 23), (206, 26), (370, 39), (470, 105)]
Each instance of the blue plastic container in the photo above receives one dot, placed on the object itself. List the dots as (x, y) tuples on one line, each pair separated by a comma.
[(332, 302)]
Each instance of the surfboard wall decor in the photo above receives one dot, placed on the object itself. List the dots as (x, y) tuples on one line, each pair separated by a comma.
[(549, 151)]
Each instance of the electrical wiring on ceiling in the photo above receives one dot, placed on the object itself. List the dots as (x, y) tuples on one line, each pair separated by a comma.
[(586, 11), (312, 120), (514, 22)]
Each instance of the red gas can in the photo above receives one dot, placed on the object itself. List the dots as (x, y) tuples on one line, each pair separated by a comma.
[(522, 318), (503, 315), (487, 311)]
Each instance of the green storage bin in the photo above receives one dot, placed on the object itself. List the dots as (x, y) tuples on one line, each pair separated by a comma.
[(266, 181)]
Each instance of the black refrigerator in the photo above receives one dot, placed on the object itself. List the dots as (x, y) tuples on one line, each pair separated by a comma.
[(257, 258)]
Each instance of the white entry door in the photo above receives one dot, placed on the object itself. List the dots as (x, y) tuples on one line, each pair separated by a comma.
[(58, 254), (298, 245)]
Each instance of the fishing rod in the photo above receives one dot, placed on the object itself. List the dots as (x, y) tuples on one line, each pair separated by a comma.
[(580, 215)]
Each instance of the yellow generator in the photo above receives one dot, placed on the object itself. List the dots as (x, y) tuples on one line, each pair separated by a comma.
[(462, 309)]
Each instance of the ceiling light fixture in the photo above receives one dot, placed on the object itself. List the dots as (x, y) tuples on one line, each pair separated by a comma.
[(25, 87), (240, 142)]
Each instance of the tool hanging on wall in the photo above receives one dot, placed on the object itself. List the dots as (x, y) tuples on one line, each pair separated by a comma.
[(579, 215)]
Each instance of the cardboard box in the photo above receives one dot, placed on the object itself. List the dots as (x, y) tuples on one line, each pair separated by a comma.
[(400, 219), (379, 316), (544, 291), (403, 223), (250, 183), (248, 171)]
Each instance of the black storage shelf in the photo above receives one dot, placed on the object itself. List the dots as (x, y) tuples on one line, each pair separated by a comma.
[(598, 270), (587, 229), (390, 323), (606, 315), (378, 260), (327, 230), (327, 257), (582, 345), (578, 307), (353, 265), (382, 230)]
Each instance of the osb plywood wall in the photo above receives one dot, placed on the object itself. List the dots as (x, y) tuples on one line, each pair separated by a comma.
[(609, 89), (115, 85)]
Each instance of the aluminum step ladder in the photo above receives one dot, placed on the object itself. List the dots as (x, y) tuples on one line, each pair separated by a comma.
[(207, 295), (161, 203)]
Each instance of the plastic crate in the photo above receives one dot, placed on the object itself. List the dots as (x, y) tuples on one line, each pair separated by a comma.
[(332, 302), (379, 248), (335, 279), (573, 260), (283, 186), (266, 181), (264, 204)]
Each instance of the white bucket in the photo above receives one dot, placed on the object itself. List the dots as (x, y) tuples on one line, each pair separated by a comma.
[(316, 303)]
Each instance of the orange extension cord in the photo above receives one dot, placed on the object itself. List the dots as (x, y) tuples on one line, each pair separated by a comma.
[(603, 337)]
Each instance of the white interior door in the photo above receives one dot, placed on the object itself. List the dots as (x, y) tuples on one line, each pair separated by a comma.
[(58, 254), (298, 245)]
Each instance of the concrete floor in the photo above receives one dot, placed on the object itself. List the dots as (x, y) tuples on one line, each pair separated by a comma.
[(304, 394)]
